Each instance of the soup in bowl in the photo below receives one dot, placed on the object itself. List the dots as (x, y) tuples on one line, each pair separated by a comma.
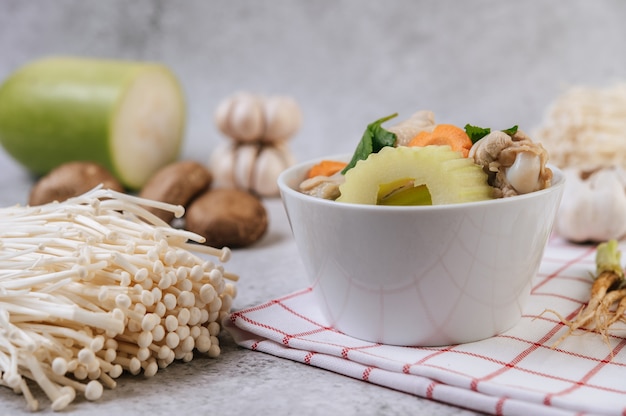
[(420, 275)]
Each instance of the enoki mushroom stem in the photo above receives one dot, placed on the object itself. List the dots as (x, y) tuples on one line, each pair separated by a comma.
[(97, 285)]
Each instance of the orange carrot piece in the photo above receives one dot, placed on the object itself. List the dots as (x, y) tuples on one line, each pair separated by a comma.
[(444, 134), (326, 168)]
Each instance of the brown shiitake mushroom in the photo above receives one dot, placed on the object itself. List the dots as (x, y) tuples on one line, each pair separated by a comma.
[(71, 179), (177, 184), (227, 218)]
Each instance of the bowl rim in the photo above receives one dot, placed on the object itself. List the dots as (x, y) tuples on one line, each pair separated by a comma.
[(558, 182)]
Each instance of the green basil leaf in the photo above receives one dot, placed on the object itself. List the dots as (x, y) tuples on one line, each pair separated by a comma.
[(374, 139), (510, 131), (476, 133)]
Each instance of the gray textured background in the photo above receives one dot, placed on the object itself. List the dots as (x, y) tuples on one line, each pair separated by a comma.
[(486, 62)]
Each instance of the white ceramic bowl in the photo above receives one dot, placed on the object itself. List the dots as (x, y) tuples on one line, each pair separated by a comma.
[(423, 275)]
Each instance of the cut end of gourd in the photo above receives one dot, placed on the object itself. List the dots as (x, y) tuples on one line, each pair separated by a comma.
[(127, 116), (148, 127), (427, 175)]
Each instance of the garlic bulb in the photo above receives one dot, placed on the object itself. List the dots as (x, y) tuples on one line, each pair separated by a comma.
[(593, 207), (246, 117), (251, 167), (282, 119), (241, 117), (258, 128)]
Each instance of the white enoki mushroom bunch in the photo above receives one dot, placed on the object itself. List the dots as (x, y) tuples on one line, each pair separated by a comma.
[(97, 285), (584, 128)]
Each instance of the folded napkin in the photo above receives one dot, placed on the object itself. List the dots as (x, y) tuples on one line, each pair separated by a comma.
[(517, 372)]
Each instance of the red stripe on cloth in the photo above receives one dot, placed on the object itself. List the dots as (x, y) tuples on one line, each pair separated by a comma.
[(346, 350), (506, 366), (266, 305), (499, 410), (282, 304), (585, 379), (243, 315), (430, 390), (563, 297), (366, 373), (565, 266), (288, 337), (406, 368)]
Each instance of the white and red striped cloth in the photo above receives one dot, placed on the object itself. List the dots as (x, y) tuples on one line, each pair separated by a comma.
[(517, 372)]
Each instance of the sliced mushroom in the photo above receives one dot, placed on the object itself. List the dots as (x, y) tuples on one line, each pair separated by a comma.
[(326, 187), (515, 164)]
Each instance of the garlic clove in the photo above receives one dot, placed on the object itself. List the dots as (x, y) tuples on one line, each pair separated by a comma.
[(270, 163), (222, 114), (282, 117), (575, 211), (246, 118), (245, 159), (221, 164), (609, 207), (592, 209), (523, 175)]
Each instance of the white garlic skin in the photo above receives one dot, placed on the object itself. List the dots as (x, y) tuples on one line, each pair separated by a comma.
[(258, 128), (271, 161), (593, 209), (244, 167), (282, 119), (250, 167), (221, 165), (248, 118), (241, 117)]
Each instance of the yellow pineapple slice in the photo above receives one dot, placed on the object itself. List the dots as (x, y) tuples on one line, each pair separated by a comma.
[(415, 176)]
